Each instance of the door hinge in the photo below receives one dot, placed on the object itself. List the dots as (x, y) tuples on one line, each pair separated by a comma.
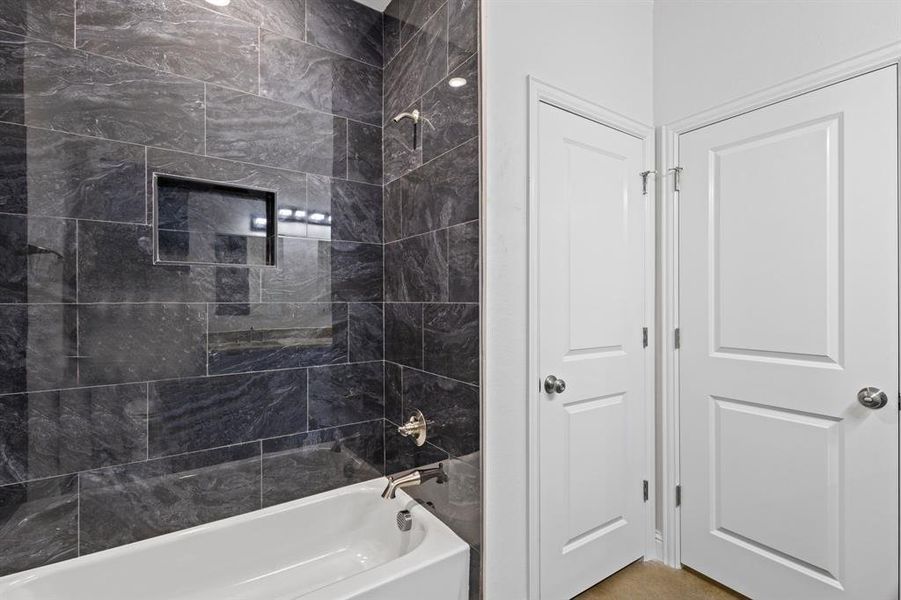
[(677, 339), (677, 177), (644, 337), (644, 489), (644, 181), (678, 495)]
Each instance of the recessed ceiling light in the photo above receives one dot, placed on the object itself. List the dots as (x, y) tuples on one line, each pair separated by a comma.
[(456, 82), (218, 2)]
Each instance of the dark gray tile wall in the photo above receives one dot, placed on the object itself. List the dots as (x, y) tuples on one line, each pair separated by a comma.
[(138, 399), (431, 207)]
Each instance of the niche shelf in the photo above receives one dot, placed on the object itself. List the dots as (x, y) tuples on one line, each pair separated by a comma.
[(203, 222)]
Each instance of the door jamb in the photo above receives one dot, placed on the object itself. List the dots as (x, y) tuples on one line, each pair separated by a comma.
[(669, 246), (541, 92)]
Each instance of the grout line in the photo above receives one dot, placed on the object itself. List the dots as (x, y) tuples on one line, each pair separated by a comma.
[(207, 343), (189, 153), (147, 190), (433, 159), (422, 335), (205, 119), (179, 76), (260, 60), (403, 401), (447, 252), (78, 514), (147, 420), (234, 303), (422, 29), (432, 231)]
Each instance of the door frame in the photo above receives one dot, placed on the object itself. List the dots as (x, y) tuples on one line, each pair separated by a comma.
[(669, 247), (541, 92)]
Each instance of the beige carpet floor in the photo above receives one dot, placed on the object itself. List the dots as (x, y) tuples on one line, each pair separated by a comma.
[(655, 581)]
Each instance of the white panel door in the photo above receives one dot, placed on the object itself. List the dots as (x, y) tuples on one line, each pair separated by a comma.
[(788, 307), (591, 278)]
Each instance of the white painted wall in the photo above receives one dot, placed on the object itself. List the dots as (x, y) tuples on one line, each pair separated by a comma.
[(601, 51), (708, 53)]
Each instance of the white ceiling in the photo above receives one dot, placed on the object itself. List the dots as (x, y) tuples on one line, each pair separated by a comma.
[(379, 5)]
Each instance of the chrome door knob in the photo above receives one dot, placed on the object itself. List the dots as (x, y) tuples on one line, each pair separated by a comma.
[(872, 397), (552, 385)]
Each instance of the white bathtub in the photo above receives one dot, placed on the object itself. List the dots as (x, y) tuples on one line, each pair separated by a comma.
[(339, 544)]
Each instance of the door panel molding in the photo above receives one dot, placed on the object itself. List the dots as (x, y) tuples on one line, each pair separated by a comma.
[(540, 92), (668, 368)]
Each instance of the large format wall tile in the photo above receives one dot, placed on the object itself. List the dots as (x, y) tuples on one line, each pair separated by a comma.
[(421, 64), (70, 90), (357, 271), (38, 523), (120, 343), (463, 262), (452, 406), (302, 74), (318, 461), (303, 272), (364, 152), (457, 502), (343, 394), (394, 407), (392, 209), (401, 454), (37, 347), (453, 113), (276, 336), (116, 265), (50, 20), (366, 333), (43, 434), (346, 27), (355, 208), (403, 334), (401, 154), (257, 130), (201, 413), (451, 340), (37, 260), (223, 357), (12, 78), (413, 15), (54, 174), (130, 503), (443, 192), (391, 30), (462, 31), (172, 36), (287, 17), (416, 269)]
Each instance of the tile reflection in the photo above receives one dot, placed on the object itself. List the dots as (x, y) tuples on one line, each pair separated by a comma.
[(277, 336)]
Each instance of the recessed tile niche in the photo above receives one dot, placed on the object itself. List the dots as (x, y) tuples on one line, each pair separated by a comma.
[(204, 222)]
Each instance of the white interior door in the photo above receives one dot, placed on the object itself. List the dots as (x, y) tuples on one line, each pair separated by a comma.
[(789, 306), (591, 304)]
